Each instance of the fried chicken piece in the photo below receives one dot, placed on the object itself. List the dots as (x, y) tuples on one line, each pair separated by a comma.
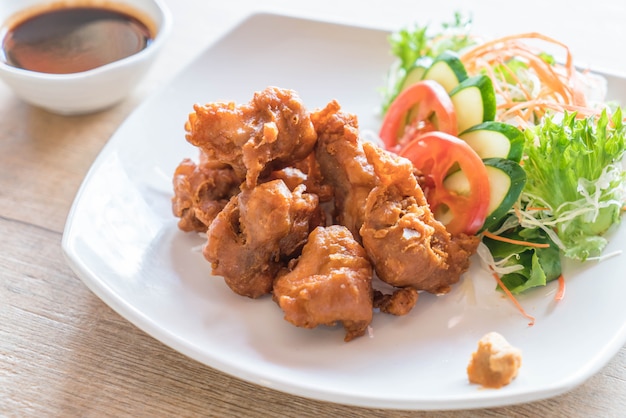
[(331, 282), (398, 303), (405, 242), (343, 164), (377, 197), (272, 131), (201, 191), (248, 240)]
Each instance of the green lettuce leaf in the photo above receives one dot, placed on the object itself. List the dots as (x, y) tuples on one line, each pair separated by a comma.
[(575, 172), (539, 265)]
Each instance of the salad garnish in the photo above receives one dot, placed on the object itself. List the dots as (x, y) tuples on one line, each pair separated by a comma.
[(576, 180), (552, 145), (416, 46), (529, 82)]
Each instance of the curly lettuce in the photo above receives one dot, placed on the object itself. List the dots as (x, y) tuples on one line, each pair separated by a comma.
[(576, 177)]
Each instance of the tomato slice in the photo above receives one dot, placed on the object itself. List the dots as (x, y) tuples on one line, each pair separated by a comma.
[(434, 154), (423, 107)]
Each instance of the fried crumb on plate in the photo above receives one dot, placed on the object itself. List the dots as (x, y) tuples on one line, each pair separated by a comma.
[(495, 363)]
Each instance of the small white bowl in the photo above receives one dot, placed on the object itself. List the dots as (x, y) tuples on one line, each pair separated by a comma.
[(86, 91)]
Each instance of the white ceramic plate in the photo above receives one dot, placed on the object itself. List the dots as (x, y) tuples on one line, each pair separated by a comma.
[(122, 240)]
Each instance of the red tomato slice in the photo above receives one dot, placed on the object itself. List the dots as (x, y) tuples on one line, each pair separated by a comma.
[(434, 154), (423, 107)]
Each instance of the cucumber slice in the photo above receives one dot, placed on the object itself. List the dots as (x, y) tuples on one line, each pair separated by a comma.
[(447, 69), (506, 180), (495, 139), (474, 101), (416, 73)]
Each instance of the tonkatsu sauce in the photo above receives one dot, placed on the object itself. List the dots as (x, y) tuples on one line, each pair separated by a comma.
[(74, 39)]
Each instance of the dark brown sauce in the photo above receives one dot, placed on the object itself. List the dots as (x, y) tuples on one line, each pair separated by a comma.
[(74, 39)]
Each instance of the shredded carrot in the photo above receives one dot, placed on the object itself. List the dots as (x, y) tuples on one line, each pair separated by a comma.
[(515, 241), (502, 43), (558, 87), (538, 107), (512, 298), (561, 292)]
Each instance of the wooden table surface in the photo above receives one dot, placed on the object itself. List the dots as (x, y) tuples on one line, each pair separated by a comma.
[(63, 352)]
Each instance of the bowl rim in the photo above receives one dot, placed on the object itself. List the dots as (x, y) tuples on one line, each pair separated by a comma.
[(164, 30)]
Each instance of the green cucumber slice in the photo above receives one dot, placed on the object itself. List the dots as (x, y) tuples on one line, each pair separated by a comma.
[(495, 139), (506, 180), (447, 69), (416, 73), (474, 101)]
